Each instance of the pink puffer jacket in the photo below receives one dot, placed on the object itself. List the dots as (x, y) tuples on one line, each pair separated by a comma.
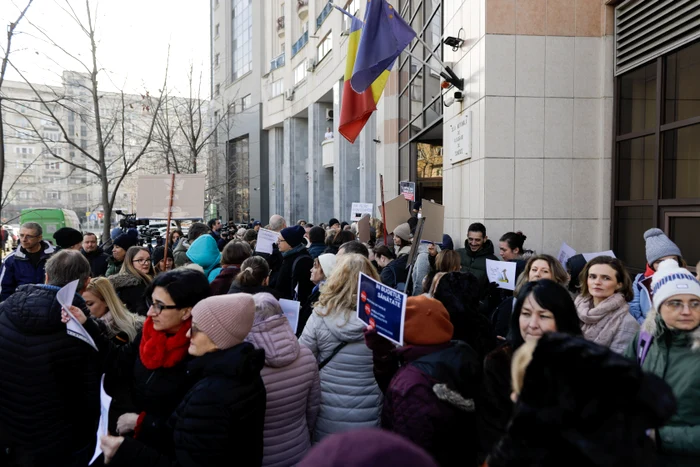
[(293, 392)]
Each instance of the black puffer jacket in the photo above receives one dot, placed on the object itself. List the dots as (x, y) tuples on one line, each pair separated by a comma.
[(49, 383), (130, 290), (291, 275), (220, 420), (98, 262)]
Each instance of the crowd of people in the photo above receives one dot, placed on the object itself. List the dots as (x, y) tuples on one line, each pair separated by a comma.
[(580, 365)]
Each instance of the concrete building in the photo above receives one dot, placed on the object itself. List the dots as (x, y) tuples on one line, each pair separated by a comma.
[(578, 123)]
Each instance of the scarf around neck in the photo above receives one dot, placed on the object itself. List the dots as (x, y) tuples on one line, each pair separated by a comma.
[(159, 350), (294, 250), (601, 324)]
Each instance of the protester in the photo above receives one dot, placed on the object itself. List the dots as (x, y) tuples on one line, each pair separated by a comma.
[(477, 249), (322, 270), (224, 411), (293, 282), (658, 248), (511, 247), (541, 307), (668, 347), (96, 257), (277, 223), (235, 252), (447, 243), (50, 390), (337, 239), (353, 247), (26, 264), (334, 224), (133, 279), (104, 304), (448, 261), (583, 405), (602, 306), (175, 236), (120, 245), (257, 225), (292, 383), (161, 262), (317, 237), (180, 252), (367, 447), (205, 252), (68, 238), (350, 397), (254, 278), (214, 231), (250, 237), (574, 266), (537, 267), (429, 384)]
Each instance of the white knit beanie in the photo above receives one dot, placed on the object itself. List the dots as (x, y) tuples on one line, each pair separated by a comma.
[(671, 279), (327, 262)]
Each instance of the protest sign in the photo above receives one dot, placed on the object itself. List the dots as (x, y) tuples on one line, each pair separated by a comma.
[(502, 273), (590, 256), (363, 229), (73, 327), (360, 209), (381, 306), (266, 238), (408, 190), (396, 213), (102, 427), (435, 221), (290, 309), (153, 196), (565, 252)]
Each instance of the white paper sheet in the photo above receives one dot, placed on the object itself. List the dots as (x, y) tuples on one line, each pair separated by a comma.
[(565, 252), (102, 430), (502, 273), (590, 256), (357, 210), (266, 238), (290, 308), (73, 327)]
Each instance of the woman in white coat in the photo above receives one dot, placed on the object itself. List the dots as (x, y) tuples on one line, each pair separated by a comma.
[(350, 397)]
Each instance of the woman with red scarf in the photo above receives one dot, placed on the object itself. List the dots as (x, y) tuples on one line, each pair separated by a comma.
[(155, 363)]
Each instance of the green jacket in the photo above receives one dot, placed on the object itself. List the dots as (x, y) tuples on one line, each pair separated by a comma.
[(475, 262), (672, 357), (113, 267)]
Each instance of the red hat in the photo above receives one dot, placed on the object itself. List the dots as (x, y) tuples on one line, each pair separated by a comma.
[(427, 322)]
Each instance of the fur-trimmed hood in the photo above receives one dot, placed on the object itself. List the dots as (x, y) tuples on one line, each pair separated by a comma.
[(121, 280), (654, 325)]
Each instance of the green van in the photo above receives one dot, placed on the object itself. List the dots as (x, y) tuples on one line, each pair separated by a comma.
[(50, 220)]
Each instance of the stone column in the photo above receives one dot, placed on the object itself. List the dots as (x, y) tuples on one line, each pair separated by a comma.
[(346, 172), (320, 180), (368, 161), (295, 173), (276, 159)]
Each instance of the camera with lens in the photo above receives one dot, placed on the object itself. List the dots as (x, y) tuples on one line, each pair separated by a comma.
[(130, 221)]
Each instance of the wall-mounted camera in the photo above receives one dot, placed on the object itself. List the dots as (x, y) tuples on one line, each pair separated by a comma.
[(456, 97)]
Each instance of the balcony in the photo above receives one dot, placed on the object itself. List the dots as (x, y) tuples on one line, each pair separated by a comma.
[(327, 158), (303, 9), (300, 43), (277, 62), (280, 27), (324, 14)]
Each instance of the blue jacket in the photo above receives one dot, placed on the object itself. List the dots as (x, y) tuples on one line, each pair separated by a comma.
[(204, 252), (641, 303), (18, 270)]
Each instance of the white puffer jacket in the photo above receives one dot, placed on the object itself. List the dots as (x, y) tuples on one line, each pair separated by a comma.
[(350, 397)]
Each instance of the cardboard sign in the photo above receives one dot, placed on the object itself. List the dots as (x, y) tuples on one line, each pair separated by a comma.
[(502, 273), (363, 229), (565, 252), (396, 213), (590, 256), (154, 196), (408, 190), (290, 309), (381, 306), (73, 327), (266, 238), (360, 209), (434, 215)]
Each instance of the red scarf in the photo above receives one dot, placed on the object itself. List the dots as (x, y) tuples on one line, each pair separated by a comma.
[(158, 350)]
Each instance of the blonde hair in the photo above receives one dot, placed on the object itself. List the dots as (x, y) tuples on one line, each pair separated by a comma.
[(559, 274), (339, 293), (122, 319), (521, 359), (128, 264)]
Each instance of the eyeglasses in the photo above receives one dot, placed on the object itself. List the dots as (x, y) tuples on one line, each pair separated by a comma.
[(280, 240), (159, 307), (142, 261), (194, 329), (27, 236), (678, 305)]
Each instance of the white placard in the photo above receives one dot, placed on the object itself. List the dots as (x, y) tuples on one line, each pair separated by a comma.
[(565, 252), (102, 427), (73, 327), (460, 137), (590, 256), (154, 196), (502, 273), (290, 308), (266, 238), (360, 209)]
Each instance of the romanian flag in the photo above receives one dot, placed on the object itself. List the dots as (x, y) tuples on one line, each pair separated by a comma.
[(357, 107)]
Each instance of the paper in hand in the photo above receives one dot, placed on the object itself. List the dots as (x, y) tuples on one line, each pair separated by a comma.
[(290, 309), (502, 273), (102, 430), (73, 327)]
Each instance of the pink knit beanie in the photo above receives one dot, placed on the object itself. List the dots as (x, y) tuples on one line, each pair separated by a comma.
[(225, 319)]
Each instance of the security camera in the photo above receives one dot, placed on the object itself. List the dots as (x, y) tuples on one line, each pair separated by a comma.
[(456, 97)]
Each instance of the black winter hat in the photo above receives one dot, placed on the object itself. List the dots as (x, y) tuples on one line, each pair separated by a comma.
[(332, 222), (128, 239), (294, 235), (66, 237), (157, 255)]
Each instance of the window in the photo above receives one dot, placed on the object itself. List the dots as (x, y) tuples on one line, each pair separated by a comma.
[(53, 195), (71, 129), (238, 180), (324, 47), (77, 197), (25, 195), (71, 116), (300, 73), (216, 30), (217, 90), (83, 131), (216, 59), (52, 165), (352, 7), (277, 88), (242, 37), (83, 144), (25, 151), (246, 102)]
